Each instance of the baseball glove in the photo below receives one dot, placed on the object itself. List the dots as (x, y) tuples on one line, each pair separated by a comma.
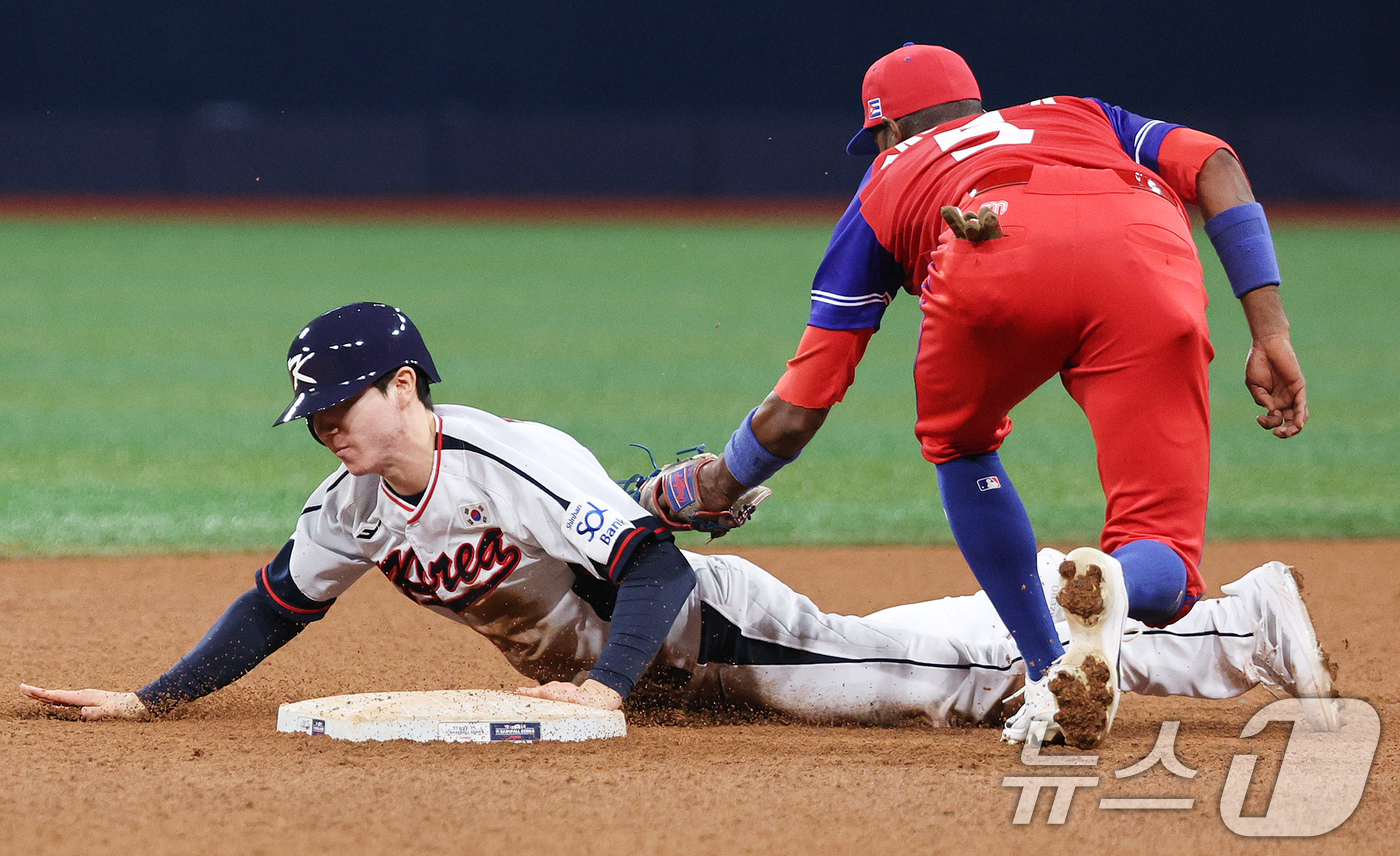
[(672, 494), (982, 226)]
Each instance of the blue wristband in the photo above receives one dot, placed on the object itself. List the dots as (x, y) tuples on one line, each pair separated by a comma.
[(1246, 249), (748, 461)]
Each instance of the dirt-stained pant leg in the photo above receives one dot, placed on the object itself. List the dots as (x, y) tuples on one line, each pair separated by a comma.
[(1208, 653), (1212, 652), (755, 641)]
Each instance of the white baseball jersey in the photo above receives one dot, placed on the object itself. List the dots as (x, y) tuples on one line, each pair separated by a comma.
[(515, 516), (520, 535)]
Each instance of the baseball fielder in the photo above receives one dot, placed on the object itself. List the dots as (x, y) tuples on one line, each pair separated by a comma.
[(515, 530), (1042, 239)]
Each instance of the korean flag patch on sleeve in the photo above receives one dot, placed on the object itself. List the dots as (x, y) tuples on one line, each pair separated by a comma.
[(594, 528)]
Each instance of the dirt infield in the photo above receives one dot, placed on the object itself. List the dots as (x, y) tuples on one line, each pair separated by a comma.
[(220, 779)]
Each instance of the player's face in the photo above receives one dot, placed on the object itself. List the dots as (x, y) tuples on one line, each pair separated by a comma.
[(364, 432)]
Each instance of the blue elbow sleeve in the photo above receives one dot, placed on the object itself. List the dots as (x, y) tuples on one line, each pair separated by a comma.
[(1246, 248)]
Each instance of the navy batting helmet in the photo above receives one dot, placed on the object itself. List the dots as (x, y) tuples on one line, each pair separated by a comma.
[(344, 351)]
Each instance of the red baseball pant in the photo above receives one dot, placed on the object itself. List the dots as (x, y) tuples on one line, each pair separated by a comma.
[(1098, 282)]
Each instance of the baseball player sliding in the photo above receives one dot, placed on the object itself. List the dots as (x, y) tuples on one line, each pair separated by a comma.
[(1043, 239), (515, 530)]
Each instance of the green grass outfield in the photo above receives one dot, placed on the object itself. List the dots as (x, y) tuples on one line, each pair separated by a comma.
[(144, 364)]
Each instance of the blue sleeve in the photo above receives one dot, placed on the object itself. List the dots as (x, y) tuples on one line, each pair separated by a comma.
[(243, 637), (1140, 137), (653, 590), (857, 278)]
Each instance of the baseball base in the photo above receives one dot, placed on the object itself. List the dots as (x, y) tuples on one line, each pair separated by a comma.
[(452, 716)]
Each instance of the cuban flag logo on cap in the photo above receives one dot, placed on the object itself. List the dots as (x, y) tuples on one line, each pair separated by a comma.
[(875, 112)]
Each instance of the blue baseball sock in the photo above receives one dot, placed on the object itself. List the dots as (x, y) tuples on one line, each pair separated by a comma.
[(992, 530), (1156, 578)]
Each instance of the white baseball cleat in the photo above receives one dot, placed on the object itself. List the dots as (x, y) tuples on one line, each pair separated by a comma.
[(1047, 566), (1037, 712), (1084, 681), (1287, 652)]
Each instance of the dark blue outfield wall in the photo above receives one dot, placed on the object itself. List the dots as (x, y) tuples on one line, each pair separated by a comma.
[(226, 148)]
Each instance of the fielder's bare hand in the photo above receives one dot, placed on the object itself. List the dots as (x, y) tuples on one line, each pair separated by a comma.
[(1272, 372), (91, 704), (1275, 380), (590, 693)]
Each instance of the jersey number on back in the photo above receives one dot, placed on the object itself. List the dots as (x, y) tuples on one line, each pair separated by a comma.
[(1007, 134)]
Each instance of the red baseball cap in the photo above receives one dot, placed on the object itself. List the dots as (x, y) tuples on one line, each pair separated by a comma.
[(906, 81)]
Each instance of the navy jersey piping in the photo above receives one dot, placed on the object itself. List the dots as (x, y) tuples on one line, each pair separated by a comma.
[(1221, 633), (310, 508), (722, 642), (450, 442)]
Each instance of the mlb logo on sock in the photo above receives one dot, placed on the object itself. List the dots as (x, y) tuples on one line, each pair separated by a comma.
[(989, 483)]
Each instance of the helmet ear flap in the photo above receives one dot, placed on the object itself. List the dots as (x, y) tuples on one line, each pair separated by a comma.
[(311, 429)]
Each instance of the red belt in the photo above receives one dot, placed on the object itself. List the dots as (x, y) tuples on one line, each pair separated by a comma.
[(1022, 174)]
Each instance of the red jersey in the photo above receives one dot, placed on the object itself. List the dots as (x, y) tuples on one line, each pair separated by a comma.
[(885, 240), (912, 181), (887, 235)]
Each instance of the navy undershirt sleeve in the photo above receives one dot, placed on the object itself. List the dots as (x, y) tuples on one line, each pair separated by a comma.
[(249, 631), (654, 587)]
